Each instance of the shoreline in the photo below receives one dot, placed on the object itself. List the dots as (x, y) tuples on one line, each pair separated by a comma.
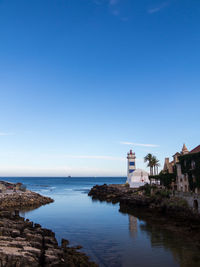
[(169, 213), (24, 243), (20, 200)]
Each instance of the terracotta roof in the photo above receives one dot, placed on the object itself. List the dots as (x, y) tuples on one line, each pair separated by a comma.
[(195, 150)]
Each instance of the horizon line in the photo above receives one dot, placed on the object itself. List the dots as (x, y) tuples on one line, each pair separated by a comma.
[(61, 176)]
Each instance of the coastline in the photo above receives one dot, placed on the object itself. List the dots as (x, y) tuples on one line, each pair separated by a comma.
[(170, 213), (19, 200), (23, 243)]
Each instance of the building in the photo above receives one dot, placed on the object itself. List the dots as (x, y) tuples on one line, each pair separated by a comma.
[(11, 187), (2, 187), (131, 163), (135, 177), (168, 166), (188, 170), (185, 166)]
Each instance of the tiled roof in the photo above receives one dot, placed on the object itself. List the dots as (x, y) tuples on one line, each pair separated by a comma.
[(195, 150)]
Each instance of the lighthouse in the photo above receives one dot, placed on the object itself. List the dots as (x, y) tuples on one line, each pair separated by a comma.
[(135, 177), (131, 163)]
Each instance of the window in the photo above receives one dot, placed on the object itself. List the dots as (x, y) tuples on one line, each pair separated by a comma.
[(132, 163), (186, 188), (193, 164)]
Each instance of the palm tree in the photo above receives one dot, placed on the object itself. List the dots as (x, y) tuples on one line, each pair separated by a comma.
[(148, 159), (155, 165)]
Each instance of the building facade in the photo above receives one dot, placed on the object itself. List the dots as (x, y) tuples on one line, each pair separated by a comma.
[(188, 171), (186, 166)]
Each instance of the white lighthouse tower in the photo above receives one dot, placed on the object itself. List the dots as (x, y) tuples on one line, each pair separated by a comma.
[(131, 163), (135, 177)]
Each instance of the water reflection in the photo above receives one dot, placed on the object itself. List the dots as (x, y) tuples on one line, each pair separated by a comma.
[(133, 226), (109, 237), (185, 252)]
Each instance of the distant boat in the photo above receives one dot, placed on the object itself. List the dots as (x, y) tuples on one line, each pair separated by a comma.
[(69, 176)]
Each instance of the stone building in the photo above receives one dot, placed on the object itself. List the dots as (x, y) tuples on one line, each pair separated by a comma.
[(182, 183), (188, 176), (168, 166), (184, 166)]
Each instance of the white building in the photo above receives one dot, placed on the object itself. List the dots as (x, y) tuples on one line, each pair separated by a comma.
[(135, 177)]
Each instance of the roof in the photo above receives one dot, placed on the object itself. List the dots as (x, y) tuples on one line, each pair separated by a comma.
[(184, 149), (195, 150)]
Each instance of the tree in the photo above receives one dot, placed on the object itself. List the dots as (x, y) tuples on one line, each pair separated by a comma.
[(148, 158), (155, 164)]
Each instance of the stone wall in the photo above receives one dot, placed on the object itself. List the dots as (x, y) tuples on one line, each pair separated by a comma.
[(192, 199)]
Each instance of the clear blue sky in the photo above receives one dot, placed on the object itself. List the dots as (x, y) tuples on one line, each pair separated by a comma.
[(80, 78)]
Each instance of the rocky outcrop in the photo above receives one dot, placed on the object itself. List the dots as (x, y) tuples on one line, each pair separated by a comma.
[(19, 200), (23, 243), (111, 193), (131, 199)]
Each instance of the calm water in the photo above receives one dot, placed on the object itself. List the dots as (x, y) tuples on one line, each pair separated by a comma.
[(108, 236)]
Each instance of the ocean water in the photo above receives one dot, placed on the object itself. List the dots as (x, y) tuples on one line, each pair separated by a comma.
[(109, 237)]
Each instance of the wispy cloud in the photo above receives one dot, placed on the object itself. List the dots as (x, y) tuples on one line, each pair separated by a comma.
[(102, 157), (138, 144), (158, 8), (94, 157), (5, 134)]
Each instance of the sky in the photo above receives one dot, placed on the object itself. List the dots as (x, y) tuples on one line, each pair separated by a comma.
[(84, 81)]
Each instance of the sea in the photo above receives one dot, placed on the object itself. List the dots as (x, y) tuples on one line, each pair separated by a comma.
[(111, 238)]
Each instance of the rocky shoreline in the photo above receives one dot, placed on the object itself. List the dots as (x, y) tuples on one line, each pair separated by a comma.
[(19, 200), (171, 212), (23, 243)]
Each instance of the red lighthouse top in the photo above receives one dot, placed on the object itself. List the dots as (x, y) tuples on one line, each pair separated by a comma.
[(131, 152)]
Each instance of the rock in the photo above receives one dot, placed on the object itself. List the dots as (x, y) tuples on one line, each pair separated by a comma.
[(64, 243), (23, 243), (35, 246), (131, 199), (21, 200)]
